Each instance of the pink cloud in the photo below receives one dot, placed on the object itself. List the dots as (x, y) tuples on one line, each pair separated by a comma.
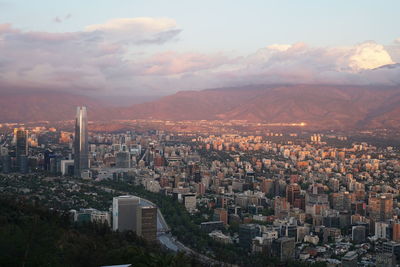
[(7, 28), (111, 58), (171, 63)]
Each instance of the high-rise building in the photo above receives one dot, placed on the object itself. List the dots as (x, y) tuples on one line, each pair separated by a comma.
[(221, 214), (267, 186), (292, 193), (381, 230), (5, 163), (146, 223), (395, 230), (284, 248), (392, 248), (122, 159), (381, 207), (246, 234), (81, 147), (358, 234), (125, 213), (22, 150), (281, 205)]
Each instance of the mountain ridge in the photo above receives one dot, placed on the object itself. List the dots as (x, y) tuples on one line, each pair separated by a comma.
[(319, 106)]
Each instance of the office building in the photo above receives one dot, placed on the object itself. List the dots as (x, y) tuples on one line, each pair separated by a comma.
[(146, 223), (22, 150), (221, 214), (246, 234), (125, 213), (395, 227), (281, 205), (358, 234), (122, 159), (393, 248), (284, 248), (5, 164), (267, 186), (381, 230), (292, 193), (189, 200), (381, 207), (81, 147), (67, 167)]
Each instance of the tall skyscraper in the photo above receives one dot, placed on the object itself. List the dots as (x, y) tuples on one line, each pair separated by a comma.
[(22, 149), (81, 147)]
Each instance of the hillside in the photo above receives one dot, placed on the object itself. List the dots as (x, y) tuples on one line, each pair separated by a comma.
[(320, 106), (34, 236), (41, 106)]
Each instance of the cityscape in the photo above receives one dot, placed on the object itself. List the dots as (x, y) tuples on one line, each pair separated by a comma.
[(297, 196), (128, 141)]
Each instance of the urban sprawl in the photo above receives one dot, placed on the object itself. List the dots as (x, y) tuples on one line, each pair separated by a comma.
[(315, 199)]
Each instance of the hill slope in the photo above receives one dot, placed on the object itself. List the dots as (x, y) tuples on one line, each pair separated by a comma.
[(318, 105), (41, 106)]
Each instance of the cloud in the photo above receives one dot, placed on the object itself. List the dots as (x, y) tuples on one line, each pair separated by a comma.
[(300, 63), (134, 24), (369, 55), (141, 30), (172, 63), (279, 47), (7, 28), (95, 58), (125, 56)]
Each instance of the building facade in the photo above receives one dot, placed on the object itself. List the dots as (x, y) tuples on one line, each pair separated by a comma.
[(81, 147)]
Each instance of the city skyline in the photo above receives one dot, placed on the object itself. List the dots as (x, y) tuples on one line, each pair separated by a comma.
[(200, 133)]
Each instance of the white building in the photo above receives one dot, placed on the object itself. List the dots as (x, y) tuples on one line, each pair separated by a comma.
[(65, 164), (124, 212), (101, 217), (380, 229), (189, 200)]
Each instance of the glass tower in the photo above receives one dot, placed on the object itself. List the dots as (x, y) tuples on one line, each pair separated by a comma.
[(22, 150), (81, 147)]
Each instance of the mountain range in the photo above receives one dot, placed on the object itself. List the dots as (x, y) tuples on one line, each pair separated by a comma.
[(319, 106)]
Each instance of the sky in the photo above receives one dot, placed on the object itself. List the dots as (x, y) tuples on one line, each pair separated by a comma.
[(149, 48)]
